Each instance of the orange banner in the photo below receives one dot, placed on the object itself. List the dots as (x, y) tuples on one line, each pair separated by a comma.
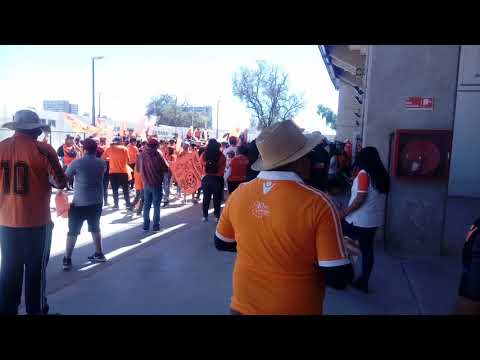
[(187, 171)]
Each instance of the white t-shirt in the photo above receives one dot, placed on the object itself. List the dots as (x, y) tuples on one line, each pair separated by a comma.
[(372, 212)]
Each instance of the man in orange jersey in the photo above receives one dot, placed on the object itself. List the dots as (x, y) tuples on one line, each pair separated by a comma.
[(27, 169), (132, 154), (117, 156), (288, 251)]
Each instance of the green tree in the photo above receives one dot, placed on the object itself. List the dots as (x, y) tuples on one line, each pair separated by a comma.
[(329, 116), (169, 112), (265, 92)]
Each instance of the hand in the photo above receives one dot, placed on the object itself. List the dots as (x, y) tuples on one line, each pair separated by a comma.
[(343, 213), (352, 246)]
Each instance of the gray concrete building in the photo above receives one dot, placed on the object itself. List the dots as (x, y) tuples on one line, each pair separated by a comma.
[(424, 215)]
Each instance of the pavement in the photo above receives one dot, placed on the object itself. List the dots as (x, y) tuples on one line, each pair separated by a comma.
[(179, 271)]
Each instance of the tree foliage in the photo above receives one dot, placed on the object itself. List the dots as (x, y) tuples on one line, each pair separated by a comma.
[(169, 112), (265, 92), (329, 116)]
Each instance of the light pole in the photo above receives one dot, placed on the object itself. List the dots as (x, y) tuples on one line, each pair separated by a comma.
[(99, 103), (218, 106), (93, 86)]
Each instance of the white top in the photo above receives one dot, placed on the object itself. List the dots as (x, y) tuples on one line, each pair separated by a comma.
[(372, 212)]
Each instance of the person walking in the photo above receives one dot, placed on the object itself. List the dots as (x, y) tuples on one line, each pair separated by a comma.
[(238, 169), (152, 166), (167, 178), (29, 168), (365, 212), (67, 153), (106, 178), (287, 251), (320, 161), (132, 154), (87, 201), (118, 158), (139, 196), (213, 163)]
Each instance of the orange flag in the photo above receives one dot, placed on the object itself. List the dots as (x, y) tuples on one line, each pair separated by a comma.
[(187, 171)]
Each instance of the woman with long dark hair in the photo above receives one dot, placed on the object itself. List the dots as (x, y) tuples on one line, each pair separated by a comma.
[(213, 162), (366, 208)]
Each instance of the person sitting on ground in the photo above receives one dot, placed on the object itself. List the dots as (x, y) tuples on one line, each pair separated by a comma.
[(238, 169), (213, 163), (287, 250), (152, 166), (468, 301), (29, 169), (365, 212), (87, 201)]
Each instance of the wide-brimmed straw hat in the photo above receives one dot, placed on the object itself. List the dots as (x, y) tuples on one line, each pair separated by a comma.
[(282, 144), (26, 120)]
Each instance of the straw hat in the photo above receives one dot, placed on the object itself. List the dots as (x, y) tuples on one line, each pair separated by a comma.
[(282, 144), (26, 120)]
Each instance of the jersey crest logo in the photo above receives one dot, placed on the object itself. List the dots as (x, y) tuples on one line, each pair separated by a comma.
[(260, 209), (267, 186)]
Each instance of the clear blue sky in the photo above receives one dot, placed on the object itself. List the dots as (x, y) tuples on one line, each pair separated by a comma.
[(129, 76)]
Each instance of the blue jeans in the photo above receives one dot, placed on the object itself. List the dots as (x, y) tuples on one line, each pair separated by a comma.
[(152, 195), (167, 177)]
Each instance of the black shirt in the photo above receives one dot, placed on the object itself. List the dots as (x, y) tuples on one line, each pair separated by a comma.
[(470, 281)]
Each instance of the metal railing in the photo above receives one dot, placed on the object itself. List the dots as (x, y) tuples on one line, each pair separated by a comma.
[(55, 138)]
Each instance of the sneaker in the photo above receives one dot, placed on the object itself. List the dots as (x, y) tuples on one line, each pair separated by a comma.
[(130, 208), (139, 212), (165, 204), (156, 229), (67, 263), (115, 207), (97, 257), (204, 219)]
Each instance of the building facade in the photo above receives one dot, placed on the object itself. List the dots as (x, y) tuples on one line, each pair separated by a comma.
[(60, 106), (424, 215)]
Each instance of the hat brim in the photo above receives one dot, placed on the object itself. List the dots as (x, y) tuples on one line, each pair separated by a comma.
[(312, 140), (14, 126)]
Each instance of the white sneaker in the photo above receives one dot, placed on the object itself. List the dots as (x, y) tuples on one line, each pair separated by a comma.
[(204, 219)]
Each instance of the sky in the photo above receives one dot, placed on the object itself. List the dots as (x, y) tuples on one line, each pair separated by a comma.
[(128, 76)]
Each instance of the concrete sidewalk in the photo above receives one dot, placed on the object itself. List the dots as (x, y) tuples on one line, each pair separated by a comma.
[(178, 271)]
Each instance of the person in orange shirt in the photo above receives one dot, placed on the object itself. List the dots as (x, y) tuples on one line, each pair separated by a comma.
[(118, 158), (170, 157), (238, 169), (287, 251), (67, 153), (132, 154), (106, 177), (27, 170), (139, 197)]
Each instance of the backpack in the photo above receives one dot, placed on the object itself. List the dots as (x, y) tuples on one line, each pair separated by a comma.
[(211, 167)]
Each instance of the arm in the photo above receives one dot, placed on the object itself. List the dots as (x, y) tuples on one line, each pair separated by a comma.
[(71, 170), (363, 182), (225, 235), (55, 171), (332, 254)]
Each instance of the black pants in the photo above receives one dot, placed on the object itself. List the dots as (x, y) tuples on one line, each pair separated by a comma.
[(232, 185), (365, 237), (106, 179), (212, 186), (70, 181), (120, 180), (24, 250)]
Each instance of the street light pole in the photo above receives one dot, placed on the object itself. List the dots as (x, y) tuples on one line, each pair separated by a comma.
[(218, 105), (99, 103), (93, 86)]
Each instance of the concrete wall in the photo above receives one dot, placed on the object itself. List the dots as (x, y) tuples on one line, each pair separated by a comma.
[(416, 209), (347, 105)]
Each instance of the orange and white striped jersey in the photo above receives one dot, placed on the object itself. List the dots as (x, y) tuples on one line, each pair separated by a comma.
[(284, 231)]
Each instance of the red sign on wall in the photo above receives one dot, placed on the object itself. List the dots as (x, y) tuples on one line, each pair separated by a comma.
[(419, 103)]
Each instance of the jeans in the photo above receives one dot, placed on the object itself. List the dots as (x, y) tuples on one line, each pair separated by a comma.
[(152, 195), (365, 237), (120, 180), (24, 250), (167, 177), (212, 186)]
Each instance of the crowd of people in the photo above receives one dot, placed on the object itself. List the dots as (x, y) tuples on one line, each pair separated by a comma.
[(279, 216)]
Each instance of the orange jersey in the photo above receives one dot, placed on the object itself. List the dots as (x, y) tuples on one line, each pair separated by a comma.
[(238, 167), (67, 160), (284, 231), (25, 167), (132, 153), (138, 180), (117, 155)]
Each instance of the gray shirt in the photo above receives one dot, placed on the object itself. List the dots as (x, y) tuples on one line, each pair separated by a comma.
[(88, 175)]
